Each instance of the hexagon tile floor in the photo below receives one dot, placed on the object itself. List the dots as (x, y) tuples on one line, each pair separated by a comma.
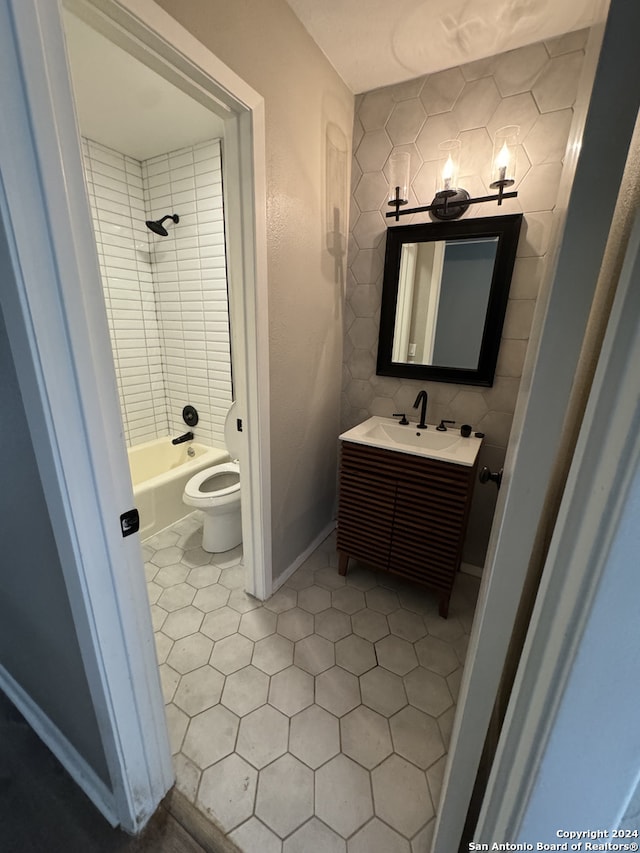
[(318, 721)]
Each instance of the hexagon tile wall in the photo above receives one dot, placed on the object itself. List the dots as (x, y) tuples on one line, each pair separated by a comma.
[(534, 87)]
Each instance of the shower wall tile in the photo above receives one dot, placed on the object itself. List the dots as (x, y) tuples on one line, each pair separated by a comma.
[(189, 268), (166, 297), (114, 182), (534, 87)]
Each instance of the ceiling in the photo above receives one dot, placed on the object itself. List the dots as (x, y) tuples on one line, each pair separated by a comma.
[(401, 39), (125, 105)]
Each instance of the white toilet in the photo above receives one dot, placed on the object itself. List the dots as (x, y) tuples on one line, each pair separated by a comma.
[(216, 491)]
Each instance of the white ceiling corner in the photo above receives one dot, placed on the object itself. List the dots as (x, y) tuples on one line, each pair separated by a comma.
[(126, 106)]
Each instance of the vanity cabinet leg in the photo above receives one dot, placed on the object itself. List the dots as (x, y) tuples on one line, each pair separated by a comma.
[(343, 562), (443, 609)]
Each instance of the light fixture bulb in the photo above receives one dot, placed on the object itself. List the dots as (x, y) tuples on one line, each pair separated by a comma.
[(502, 160), (503, 163), (447, 173)]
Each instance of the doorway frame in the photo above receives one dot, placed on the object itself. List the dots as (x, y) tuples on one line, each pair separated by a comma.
[(554, 350), (59, 338)]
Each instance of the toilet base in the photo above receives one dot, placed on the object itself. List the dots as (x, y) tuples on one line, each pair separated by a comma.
[(221, 532)]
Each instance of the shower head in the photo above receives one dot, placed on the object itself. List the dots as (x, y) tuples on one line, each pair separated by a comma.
[(158, 228)]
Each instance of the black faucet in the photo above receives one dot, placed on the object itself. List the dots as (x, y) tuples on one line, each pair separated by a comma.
[(188, 436), (422, 398)]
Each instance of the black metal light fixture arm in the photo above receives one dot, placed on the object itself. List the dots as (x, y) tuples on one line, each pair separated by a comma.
[(446, 208)]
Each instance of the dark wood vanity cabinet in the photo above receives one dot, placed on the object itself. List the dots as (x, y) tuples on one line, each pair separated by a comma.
[(403, 513)]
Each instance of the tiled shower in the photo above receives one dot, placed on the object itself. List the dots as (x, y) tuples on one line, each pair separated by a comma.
[(166, 297)]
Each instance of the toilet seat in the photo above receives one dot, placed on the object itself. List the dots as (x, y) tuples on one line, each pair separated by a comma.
[(195, 495)]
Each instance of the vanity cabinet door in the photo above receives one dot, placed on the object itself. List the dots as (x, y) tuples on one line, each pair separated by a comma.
[(432, 504), (366, 507), (403, 513)]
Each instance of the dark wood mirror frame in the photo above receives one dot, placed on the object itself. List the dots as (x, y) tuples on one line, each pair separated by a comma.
[(507, 230)]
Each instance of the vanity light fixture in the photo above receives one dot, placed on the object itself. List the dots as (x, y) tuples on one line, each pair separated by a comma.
[(450, 200)]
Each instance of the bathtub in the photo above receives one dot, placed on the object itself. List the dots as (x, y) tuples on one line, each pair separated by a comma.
[(159, 471)]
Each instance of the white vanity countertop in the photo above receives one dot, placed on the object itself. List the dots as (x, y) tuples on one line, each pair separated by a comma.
[(389, 434)]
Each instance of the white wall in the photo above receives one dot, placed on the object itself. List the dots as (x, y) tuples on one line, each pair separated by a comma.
[(166, 297), (190, 277), (116, 196)]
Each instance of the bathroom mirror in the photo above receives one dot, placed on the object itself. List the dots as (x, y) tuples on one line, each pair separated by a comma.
[(444, 297)]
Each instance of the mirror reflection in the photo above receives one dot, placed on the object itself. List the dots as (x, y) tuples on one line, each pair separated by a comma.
[(443, 287), (444, 297)]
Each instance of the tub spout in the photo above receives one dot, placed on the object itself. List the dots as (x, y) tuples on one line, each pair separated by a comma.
[(188, 436)]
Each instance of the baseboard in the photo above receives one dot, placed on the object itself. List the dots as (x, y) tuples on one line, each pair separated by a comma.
[(284, 576), (75, 765), (470, 569)]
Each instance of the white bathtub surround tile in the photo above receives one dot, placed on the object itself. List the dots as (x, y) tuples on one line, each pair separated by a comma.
[(294, 760), (142, 276)]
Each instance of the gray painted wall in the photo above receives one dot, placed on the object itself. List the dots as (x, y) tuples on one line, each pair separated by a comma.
[(38, 643), (308, 119)]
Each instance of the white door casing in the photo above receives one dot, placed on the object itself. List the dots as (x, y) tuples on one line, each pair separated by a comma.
[(554, 349), (59, 338)]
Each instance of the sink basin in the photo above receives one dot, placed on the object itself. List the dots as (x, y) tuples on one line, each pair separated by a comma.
[(396, 434), (447, 446)]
